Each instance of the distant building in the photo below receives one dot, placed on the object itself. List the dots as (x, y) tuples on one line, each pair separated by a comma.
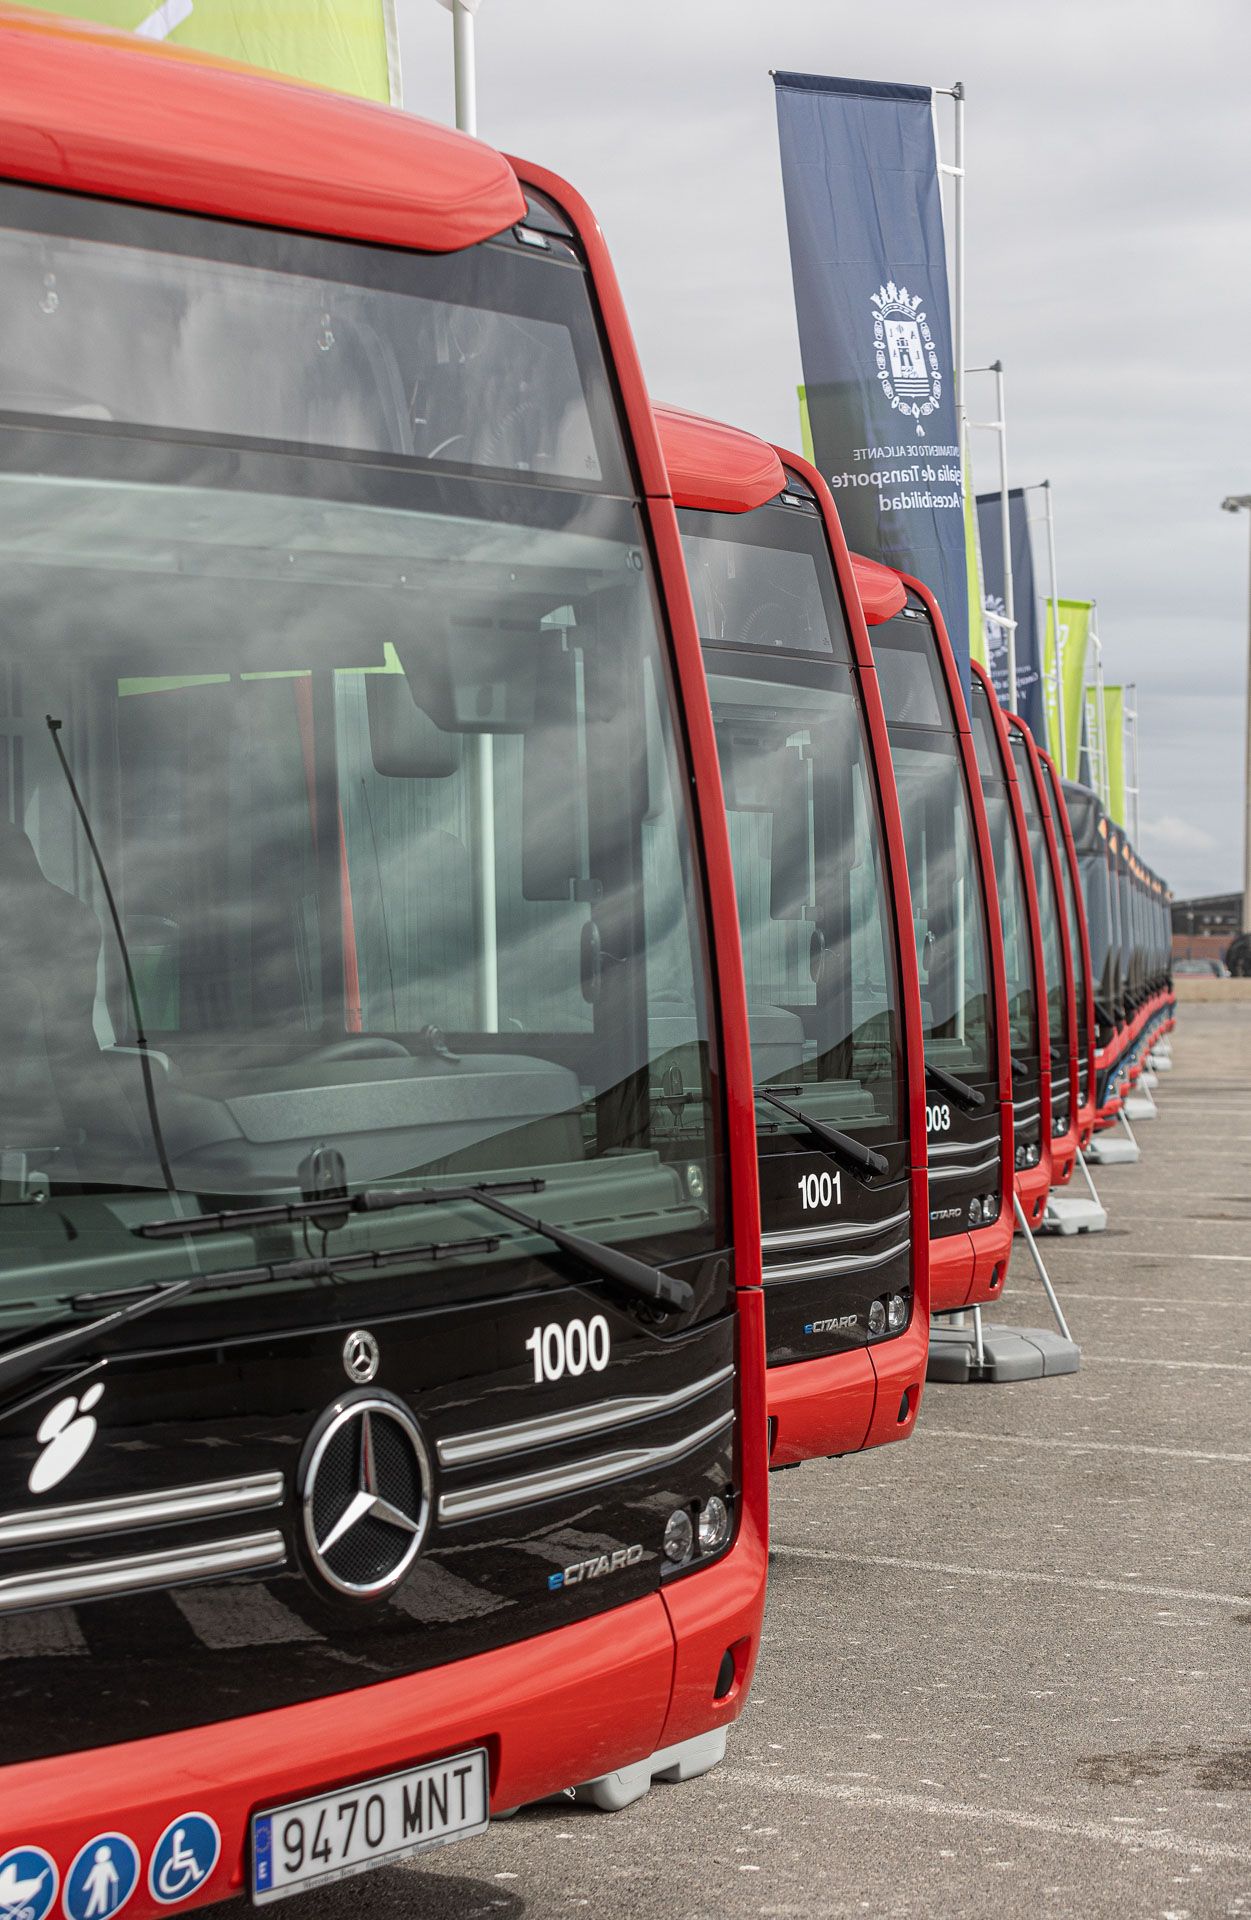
[(1204, 927)]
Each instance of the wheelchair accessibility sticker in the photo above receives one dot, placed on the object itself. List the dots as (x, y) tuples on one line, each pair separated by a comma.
[(183, 1858), (28, 1883), (102, 1878)]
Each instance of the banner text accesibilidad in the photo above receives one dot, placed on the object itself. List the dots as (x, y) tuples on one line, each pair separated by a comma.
[(349, 45), (864, 216), (1074, 636)]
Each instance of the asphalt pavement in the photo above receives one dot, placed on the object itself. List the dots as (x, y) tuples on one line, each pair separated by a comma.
[(1007, 1665)]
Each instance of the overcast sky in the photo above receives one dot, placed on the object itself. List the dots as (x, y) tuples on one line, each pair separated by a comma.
[(1108, 145)]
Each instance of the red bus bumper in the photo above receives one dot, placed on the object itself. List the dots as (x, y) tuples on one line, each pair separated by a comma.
[(845, 1402), (550, 1711)]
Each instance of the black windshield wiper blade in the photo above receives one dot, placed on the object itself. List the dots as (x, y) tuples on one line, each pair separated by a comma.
[(969, 1097), (858, 1159), (328, 1206), (649, 1283), (22, 1363)]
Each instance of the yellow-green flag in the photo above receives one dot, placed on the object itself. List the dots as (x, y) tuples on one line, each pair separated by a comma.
[(1074, 635), (350, 45), (978, 649), (805, 427), (1109, 729)]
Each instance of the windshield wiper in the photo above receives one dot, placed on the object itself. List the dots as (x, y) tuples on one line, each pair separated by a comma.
[(858, 1159), (646, 1282), (649, 1283), (969, 1097), (1020, 1068), (21, 1363)]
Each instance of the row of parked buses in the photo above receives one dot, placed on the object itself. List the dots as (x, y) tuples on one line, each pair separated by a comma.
[(527, 982)]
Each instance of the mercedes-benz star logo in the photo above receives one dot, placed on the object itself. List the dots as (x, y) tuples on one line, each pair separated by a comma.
[(360, 1357), (365, 1488)]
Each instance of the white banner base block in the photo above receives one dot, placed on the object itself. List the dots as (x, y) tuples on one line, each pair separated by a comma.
[(1008, 1353), (1160, 1063), (1113, 1150), (1140, 1106), (1073, 1213)]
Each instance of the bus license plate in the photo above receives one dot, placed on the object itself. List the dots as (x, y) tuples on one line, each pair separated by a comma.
[(332, 1835)]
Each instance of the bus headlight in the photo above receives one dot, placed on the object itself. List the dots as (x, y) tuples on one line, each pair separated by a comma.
[(1059, 1123), (714, 1524), (679, 1536), (877, 1316), (990, 1207), (896, 1312), (975, 1212)]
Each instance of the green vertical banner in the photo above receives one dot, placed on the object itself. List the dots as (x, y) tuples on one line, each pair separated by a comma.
[(349, 45), (805, 427), (1114, 747), (978, 649), (1074, 635)]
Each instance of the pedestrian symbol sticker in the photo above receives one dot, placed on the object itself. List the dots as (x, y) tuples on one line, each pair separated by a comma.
[(182, 1858), (28, 1882), (103, 1877)]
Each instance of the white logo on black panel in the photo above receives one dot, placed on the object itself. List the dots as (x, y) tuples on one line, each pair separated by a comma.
[(904, 351), (365, 1492), (65, 1433)]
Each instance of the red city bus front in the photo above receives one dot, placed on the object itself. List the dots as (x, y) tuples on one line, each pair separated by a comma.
[(959, 947), (382, 1400), (1079, 950), (1023, 950), (822, 895), (1057, 950)]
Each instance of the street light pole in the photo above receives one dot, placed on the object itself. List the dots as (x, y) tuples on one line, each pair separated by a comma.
[(1236, 503)]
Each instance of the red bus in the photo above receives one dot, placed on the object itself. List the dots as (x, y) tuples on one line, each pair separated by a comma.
[(382, 1400), (965, 1016), (1062, 1027), (1028, 1010), (822, 895), (1079, 950)]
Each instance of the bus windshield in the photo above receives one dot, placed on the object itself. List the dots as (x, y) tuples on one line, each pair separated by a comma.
[(948, 908), (805, 834), (1048, 904), (323, 573), (1009, 878)]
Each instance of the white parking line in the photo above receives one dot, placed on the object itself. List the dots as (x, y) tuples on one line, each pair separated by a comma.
[(1136, 1839), (1133, 1360), (1079, 1582), (1081, 1446), (1156, 1300)]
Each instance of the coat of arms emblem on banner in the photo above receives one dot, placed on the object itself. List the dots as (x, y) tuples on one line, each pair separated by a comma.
[(907, 362)]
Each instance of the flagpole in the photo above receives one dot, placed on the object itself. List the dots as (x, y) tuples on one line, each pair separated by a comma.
[(464, 68), (1000, 426), (1057, 637)]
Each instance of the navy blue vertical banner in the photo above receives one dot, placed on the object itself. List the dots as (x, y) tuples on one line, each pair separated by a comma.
[(865, 220), (1029, 693)]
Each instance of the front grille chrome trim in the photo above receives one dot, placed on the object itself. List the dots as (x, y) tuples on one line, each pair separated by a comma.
[(140, 1572), (463, 1449), (577, 1476), (946, 1148), (964, 1173), (128, 1512), (778, 1240), (847, 1263)]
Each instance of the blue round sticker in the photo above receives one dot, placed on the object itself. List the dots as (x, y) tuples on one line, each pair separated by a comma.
[(102, 1878), (28, 1883), (183, 1858)]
